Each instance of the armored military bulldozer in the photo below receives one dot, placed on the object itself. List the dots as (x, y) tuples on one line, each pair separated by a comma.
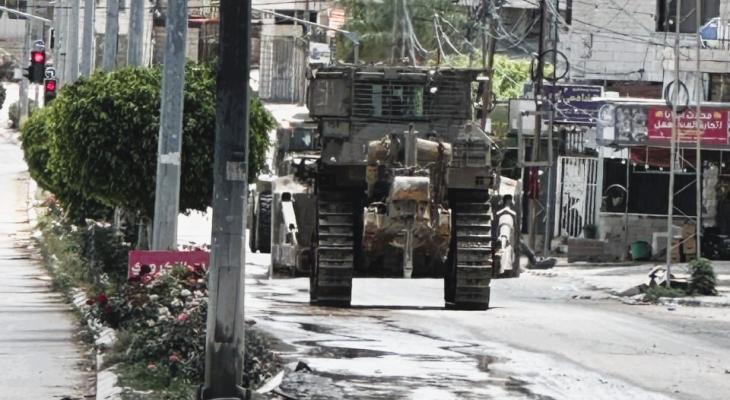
[(402, 186)]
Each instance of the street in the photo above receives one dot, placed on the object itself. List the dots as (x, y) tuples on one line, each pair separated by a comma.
[(40, 357), (544, 338)]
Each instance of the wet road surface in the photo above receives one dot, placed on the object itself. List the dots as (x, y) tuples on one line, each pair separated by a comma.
[(545, 338)]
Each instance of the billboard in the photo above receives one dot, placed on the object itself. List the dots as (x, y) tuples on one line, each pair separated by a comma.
[(713, 127), (630, 124)]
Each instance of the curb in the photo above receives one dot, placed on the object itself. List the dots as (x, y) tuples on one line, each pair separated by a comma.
[(693, 302)]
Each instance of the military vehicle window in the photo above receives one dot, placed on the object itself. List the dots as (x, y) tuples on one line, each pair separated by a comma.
[(396, 101), (301, 139)]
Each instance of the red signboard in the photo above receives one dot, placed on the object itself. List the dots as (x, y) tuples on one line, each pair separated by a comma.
[(151, 263), (713, 125)]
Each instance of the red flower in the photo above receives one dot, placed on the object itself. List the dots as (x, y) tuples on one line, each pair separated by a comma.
[(182, 317), (90, 302), (174, 357), (101, 298)]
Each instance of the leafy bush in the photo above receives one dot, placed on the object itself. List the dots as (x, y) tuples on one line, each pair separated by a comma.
[(97, 145), (36, 143), (93, 255), (14, 112), (2, 96), (703, 280), (654, 293)]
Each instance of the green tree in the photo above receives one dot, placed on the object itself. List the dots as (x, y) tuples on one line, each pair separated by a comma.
[(102, 139), (373, 21)]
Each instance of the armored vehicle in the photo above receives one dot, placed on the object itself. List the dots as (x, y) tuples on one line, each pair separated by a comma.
[(402, 186)]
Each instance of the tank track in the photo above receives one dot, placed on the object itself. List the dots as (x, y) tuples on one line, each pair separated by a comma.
[(331, 283), (472, 230)]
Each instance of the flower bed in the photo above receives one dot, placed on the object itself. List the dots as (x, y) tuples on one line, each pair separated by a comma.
[(159, 321)]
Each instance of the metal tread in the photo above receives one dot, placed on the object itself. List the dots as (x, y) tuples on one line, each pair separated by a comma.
[(472, 229), (335, 253)]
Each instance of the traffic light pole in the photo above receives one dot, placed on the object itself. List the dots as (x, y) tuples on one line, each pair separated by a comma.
[(224, 349), (167, 191)]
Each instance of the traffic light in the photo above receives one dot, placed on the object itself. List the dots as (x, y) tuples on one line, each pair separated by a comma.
[(37, 68), (49, 90)]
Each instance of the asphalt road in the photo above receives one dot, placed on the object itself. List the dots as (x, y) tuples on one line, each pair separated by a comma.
[(544, 338), (39, 357)]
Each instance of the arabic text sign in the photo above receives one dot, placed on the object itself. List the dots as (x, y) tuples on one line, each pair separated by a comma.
[(573, 103), (713, 125), (157, 261)]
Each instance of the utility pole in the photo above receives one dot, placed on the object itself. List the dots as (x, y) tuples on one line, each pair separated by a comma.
[(24, 82), (72, 68), (111, 32), (673, 145), (224, 350), (59, 57), (167, 193), (135, 44), (537, 89), (698, 134), (551, 124), (87, 53), (489, 47)]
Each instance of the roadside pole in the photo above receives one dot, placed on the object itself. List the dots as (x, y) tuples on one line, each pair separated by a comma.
[(59, 50), (698, 138), (224, 350), (167, 191), (537, 83), (24, 82), (672, 149), (72, 68), (87, 52), (135, 45), (488, 50), (111, 32)]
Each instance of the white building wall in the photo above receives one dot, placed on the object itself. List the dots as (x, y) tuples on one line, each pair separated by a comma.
[(612, 40)]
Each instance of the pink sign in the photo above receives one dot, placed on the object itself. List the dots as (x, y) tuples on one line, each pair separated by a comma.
[(153, 262), (713, 127)]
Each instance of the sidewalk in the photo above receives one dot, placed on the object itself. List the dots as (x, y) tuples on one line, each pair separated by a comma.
[(617, 279), (40, 356)]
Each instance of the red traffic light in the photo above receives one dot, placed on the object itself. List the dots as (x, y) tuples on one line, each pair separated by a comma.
[(38, 57), (50, 85)]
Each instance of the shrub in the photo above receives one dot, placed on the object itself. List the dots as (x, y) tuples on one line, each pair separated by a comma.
[(703, 280), (162, 323), (105, 137), (14, 112), (36, 144), (654, 293), (2, 96)]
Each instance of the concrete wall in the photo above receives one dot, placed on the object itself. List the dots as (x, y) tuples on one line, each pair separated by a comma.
[(641, 227)]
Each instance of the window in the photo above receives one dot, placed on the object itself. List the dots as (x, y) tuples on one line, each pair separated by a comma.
[(719, 87), (667, 10), (20, 5), (397, 101)]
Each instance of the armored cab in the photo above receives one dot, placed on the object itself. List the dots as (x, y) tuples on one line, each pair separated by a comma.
[(403, 185)]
